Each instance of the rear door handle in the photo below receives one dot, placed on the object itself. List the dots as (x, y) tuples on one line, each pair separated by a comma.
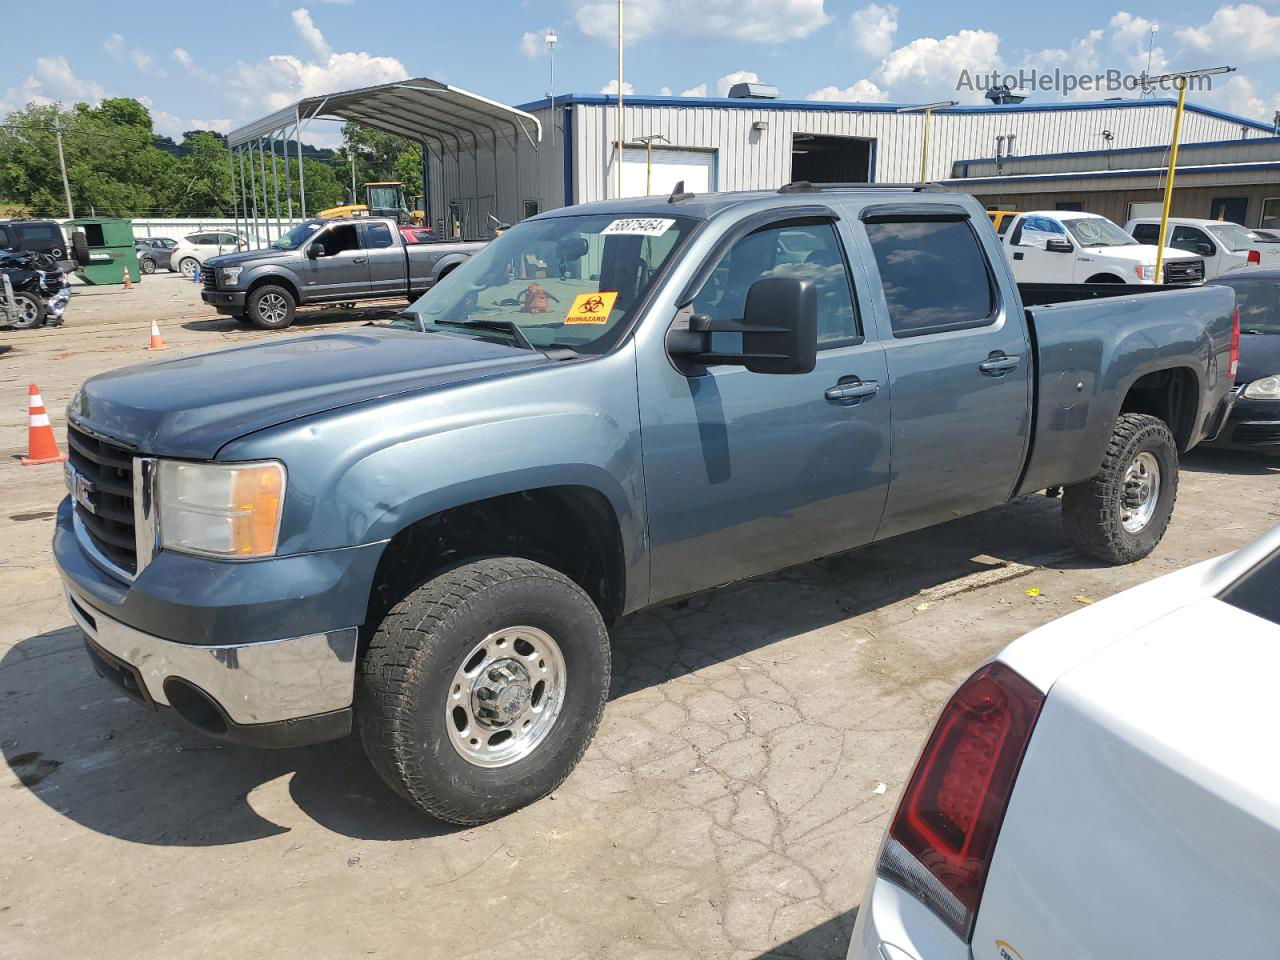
[(851, 392), (998, 364), (1019, 256)]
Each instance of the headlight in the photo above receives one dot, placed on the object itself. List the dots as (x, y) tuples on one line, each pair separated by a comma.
[(220, 510), (230, 275), (1268, 388), (1143, 272)]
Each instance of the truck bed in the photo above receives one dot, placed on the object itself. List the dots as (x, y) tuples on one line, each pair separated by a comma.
[(1074, 406)]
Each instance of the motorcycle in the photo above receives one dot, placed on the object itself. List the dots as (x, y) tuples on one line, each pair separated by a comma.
[(33, 290)]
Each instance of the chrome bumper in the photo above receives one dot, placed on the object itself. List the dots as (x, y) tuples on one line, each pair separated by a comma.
[(271, 682)]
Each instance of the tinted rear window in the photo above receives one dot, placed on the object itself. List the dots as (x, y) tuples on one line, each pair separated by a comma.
[(41, 233), (1256, 593)]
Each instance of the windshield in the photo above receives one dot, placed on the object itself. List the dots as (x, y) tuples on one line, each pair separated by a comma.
[(1098, 232), (384, 198), (297, 236), (1233, 236), (1259, 303), (569, 281)]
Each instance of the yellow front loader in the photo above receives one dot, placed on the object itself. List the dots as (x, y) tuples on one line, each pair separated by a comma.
[(382, 199)]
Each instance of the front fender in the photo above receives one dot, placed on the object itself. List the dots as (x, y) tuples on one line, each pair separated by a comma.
[(445, 263)]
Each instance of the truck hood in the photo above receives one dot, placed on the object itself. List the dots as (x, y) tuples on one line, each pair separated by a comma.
[(1259, 357), (249, 257), (190, 407), (1136, 253)]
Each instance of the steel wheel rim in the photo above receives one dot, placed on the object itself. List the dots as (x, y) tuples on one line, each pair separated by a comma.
[(518, 676), (1140, 492), (272, 307), (188, 267)]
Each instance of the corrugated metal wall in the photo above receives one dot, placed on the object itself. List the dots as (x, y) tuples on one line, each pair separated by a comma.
[(1193, 199)]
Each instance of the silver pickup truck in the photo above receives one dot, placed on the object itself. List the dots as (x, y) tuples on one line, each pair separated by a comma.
[(327, 261)]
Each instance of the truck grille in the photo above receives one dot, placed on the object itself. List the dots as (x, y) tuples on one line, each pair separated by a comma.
[(1184, 271), (209, 278), (108, 474)]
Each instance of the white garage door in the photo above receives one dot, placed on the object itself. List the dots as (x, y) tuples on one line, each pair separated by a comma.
[(695, 167)]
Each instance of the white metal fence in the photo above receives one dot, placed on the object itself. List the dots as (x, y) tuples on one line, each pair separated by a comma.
[(179, 227)]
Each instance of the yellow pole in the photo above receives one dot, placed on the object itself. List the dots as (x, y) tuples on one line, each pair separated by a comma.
[(924, 144), (648, 167), (1168, 184)]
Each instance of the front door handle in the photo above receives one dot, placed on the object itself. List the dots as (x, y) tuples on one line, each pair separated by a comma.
[(1019, 256), (998, 364), (358, 259), (851, 391)]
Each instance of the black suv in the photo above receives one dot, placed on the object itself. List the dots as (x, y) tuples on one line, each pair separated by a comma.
[(44, 236)]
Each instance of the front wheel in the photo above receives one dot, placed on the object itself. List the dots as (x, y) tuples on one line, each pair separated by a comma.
[(481, 690), (270, 307), (147, 266), (30, 312), (1122, 513)]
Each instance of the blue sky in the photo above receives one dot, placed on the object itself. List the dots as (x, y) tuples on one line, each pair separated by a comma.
[(218, 66)]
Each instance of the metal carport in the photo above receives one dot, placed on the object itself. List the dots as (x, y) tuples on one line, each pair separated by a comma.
[(450, 123)]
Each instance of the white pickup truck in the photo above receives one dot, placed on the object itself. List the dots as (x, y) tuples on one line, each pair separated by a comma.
[(1063, 246), (1224, 246), (1107, 786)]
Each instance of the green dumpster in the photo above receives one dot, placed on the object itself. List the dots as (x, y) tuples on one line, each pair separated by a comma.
[(111, 249)]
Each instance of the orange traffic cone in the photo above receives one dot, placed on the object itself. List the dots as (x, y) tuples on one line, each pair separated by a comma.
[(128, 284), (157, 341), (41, 445)]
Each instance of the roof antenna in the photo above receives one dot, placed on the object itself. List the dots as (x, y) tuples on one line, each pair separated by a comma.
[(678, 194)]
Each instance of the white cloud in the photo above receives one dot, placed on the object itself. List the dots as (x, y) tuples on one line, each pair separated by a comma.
[(1130, 36), (310, 33), (750, 21), (52, 79), (533, 43), (143, 61), (1244, 31), (188, 63), (724, 84), (928, 68), (220, 124), (699, 91), (664, 91), (612, 88), (873, 28), (283, 78), (1240, 96), (864, 91)]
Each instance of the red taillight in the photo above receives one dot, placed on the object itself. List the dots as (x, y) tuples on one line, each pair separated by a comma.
[(940, 843), (1255, 256), (1235, 344)]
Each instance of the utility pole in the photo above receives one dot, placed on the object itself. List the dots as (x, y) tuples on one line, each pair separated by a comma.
[(352, 150), (62, 162), (621, 132), (1180, 81), (552, 40)]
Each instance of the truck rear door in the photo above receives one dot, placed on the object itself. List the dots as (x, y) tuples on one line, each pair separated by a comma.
[(959, 362), (387, 265)]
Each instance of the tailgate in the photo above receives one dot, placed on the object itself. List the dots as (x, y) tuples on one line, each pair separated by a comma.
[(1145, 821)]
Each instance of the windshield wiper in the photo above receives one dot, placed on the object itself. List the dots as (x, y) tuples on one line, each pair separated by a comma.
[(508, 327)]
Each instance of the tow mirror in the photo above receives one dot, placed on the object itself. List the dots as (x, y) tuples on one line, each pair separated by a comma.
[(779, 330), (1204, 249), (1058, 246), (315, 251)]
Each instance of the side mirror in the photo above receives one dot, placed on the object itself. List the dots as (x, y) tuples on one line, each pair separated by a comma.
[(1205, 249), (315, 251), (779, 330), (1059, 246)]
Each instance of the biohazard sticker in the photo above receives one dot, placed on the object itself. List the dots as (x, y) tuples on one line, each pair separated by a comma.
[(638, 227), (591, 308)]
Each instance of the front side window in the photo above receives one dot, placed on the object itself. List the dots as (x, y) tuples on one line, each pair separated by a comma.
[(1187, 238), (807, 249), (570, 281), (1036, 231), (340, 239), (935, 275)]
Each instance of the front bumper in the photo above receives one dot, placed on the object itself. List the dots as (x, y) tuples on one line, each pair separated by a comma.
[(1253, 425), (224, 301), (279, 693)]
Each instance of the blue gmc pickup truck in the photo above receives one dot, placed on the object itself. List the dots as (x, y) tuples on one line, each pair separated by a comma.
[(424, 529)]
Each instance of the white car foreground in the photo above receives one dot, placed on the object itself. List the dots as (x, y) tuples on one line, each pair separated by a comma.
[(1107, 786)]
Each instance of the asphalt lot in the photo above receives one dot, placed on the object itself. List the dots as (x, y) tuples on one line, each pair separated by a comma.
[(754, 744)]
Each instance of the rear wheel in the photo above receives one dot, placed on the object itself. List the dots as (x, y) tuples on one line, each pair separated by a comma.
[(1122, 513), (30, 310), (147, 265), (188, 266), (270, 307), (481, 690)]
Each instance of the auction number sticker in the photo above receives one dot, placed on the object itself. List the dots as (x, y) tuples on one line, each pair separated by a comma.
[(591, 308), (638, 227)]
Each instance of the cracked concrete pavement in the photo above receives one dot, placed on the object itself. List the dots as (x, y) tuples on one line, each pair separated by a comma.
[(754, 744)]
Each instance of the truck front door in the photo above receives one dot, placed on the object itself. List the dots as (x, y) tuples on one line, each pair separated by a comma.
[(959, 364), (341, 271), (1032, 262), (745, 472)]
